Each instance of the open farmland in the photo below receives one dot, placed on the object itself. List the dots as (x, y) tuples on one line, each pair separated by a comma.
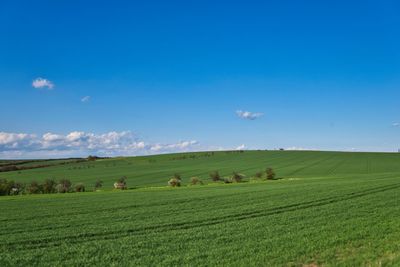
[(327, 208), (156, 170), (200, 133)]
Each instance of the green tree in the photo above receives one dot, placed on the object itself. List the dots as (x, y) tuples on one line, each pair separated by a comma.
[(64, 186), (98, 184), (270, 174), (49, 186), (79, 187), (215, 176), (34, 188), (258, 175)]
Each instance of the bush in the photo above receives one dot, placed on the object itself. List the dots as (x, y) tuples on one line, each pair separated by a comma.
[(60, 188), (92, 158), (215, 176), (79, 187), (258, 175), (121, 183), (270, 174), (10, 187), (174, 182), (98, 184), (64, 186), (5, 187), (228, 180), (49, 186), (17, 188), (195, 181), (122, 180), (34, 188), (177, 176), (237, 177)]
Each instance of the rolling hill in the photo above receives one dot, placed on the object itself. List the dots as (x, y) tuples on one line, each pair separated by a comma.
[(326, 209)]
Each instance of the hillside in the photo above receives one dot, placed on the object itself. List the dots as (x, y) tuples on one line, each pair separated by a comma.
[(329, 209), (156, 170)]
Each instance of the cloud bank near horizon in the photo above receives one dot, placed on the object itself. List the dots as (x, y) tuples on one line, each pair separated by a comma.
[(81, 144)]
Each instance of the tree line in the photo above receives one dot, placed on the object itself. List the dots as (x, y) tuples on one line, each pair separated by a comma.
[(48, 186), (176, 180), (51, 186)]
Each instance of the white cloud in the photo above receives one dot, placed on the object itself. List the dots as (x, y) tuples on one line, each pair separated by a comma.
[(11, 138), (41, 83), (248, 115), (21, 145), (301, 148), (241, 147), (12, 141), (85, 99), (181, 146), (396, 124), (52, 137)]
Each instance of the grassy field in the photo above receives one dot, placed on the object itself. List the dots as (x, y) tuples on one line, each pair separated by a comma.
[(156, 170), (328, 209)]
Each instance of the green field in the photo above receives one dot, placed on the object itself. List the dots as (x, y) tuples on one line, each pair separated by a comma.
[(156, 170), (326, 209)]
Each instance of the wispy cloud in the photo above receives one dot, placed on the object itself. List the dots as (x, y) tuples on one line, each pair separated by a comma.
[(247, 115), (40, 83), (396, 124), (22, 145), (85, 99)]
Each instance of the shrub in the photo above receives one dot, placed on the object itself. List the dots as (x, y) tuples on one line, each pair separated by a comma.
[(174, 182), (5, 187), (270, 174), (79, 187), (215, 176), (258, 175), (98, 184), (237, 177), (49, 186), (228, 180), (10, 187), (17, 188), (92, 158), (196, 181), (64, 186), (34, 188), (60, 188), (177, 176), (122, 180), (121, 183)]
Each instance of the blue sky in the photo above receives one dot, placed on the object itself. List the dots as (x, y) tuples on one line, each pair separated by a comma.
[(166, 76)]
